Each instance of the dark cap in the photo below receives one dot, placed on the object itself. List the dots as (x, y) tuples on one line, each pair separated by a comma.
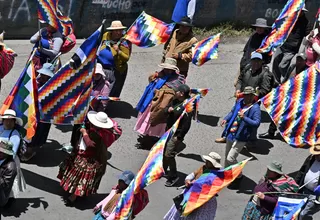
[(185, 89), (185, 21), (127, 176), (302, 56)]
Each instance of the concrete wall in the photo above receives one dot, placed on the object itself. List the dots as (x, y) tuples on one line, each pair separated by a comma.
[(19, 17)]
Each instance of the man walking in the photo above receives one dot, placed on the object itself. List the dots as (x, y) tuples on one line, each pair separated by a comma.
[(174, 145), (243, 121), (290, 48), (180, 45)]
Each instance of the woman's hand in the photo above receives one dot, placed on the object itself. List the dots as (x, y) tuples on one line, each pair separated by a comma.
[(95, 209), (188, 183), (223, 123), (88, 141), (83, 130), (260, 195), (116, 48), (170, 109)]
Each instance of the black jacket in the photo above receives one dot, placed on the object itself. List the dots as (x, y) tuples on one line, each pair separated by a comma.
[(8, 172), (300, 30), (304, 169), (292, 72), (262, 78), (252, 45), (185, 122)]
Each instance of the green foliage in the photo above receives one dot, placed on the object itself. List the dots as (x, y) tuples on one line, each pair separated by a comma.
[(228, 30)]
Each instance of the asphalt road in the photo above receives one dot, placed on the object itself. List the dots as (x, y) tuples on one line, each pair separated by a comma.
[(43, 198)]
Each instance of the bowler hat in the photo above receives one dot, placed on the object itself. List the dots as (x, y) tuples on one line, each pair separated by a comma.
[(186, 21)]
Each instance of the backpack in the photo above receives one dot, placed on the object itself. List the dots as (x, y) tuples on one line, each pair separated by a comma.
[(22, 145), (68, 43)]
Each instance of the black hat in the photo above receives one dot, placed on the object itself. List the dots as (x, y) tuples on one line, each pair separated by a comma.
[(185, 21), (185, 89)]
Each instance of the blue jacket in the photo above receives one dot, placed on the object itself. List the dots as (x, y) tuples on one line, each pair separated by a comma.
[(248, 125)]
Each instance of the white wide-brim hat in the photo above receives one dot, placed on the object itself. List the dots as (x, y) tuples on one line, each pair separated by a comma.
[(11, 114), (100, 119), (116, 25), (99, 70), (214, 158)]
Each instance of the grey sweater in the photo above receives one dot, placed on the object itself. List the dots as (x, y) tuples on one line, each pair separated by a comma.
[(57, 43)]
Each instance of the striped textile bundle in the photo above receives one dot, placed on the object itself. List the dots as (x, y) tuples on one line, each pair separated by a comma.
[(6, 63)]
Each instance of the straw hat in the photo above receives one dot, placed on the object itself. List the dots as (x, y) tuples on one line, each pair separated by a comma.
[(11, 114), (315, 149), (214, 158), (100, 119), (47, 69), (99, 70), (170, 63), (116, 25), (6, 147), (2, 38)]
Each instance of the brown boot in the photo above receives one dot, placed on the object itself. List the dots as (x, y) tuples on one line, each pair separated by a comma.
[(221, 140)]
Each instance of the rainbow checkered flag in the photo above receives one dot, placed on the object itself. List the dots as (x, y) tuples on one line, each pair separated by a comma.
[(295, 108), (150, 172), (282, 26), (208, 185), (48, 12), (65, 98), (148, 31), (23, 98), (205, 50)]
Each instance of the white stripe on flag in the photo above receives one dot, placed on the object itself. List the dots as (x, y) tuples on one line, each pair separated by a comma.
[(289, 200), (81, 55)]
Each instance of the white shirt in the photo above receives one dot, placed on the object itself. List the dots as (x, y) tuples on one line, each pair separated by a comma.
[(311, 175)]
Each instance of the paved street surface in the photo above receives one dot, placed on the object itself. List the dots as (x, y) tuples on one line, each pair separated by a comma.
[(43, 198)]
